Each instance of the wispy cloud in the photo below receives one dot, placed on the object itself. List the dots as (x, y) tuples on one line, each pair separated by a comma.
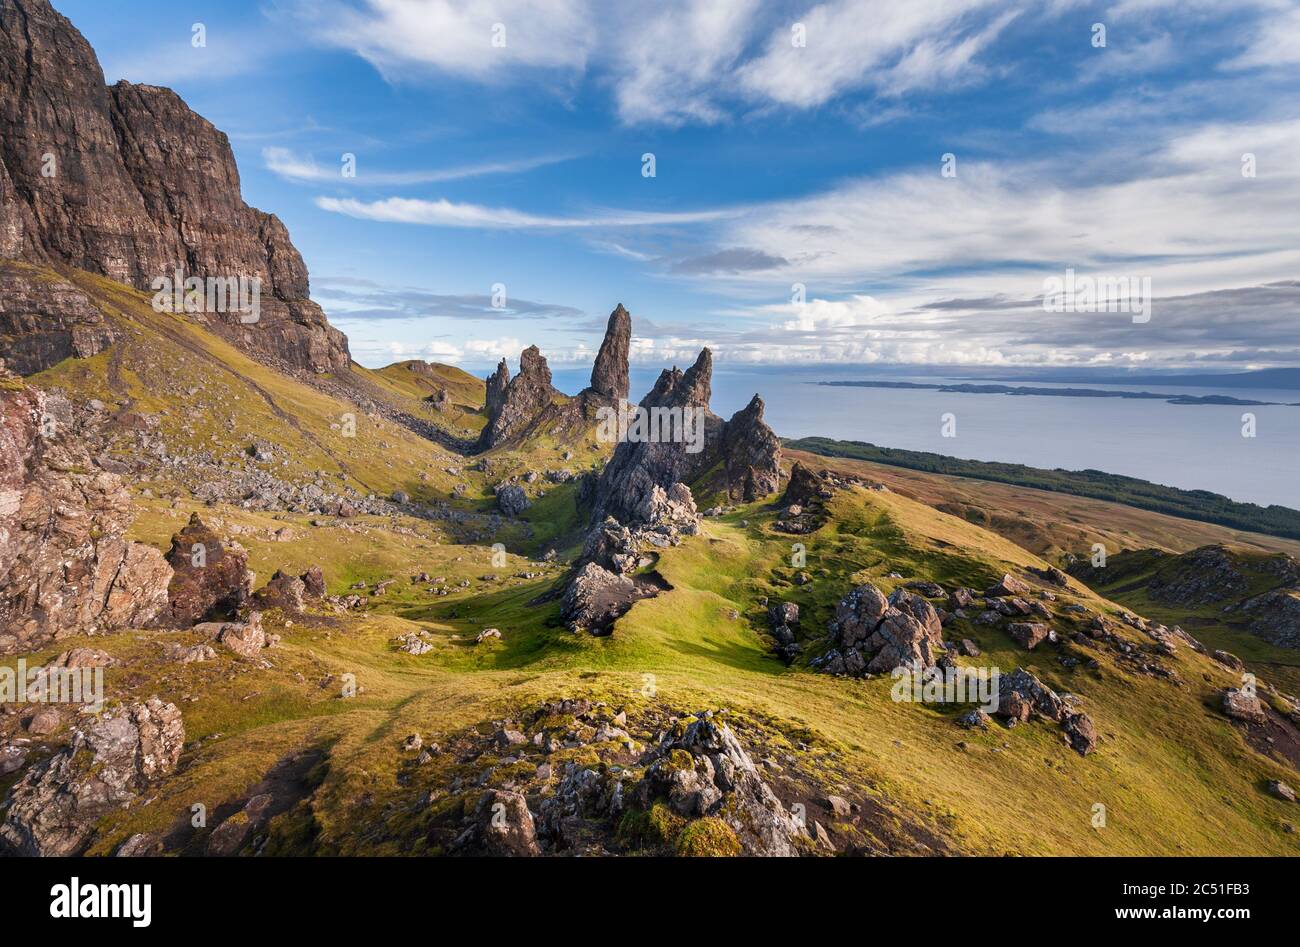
[(294, 167), (444, 213)]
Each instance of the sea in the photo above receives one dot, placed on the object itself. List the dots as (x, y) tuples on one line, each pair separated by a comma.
[(1194, 447)]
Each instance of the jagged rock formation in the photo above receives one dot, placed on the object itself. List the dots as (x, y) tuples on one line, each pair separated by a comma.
[(747, 449), (55, 807), (515, 403), (130, 183), (751, 454), (702, 771), (65, 567), (609, 375)]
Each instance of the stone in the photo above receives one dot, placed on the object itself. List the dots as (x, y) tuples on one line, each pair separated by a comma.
[(1080, 732), (487, 634), (701, 769), (313, 583), (246, 639), (744, 453), (839, 807), (1028, 635), (595, 598), (974, 719), (1281, 790), (504, 825), (1007, 585), (511, 499), (1244, 706), (286, 592), (55, 807), (609, 374), (44, 722), (65, 564), (514, 404)]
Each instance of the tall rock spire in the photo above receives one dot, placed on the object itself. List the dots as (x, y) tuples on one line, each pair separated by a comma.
[(609, 375)]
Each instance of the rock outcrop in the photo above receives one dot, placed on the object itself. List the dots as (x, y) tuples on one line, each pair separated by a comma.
[(871, 634), (751, 454), (211, 577), (43, 322), (54, 808), (65, 566), (129, 183), (515, 403), (701, 770), (745, 447)]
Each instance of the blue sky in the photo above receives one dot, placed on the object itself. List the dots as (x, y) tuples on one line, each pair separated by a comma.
[(776, 164)]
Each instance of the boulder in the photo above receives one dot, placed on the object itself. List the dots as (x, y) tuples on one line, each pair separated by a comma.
[(286, 592), (511, 499), (595, 598), (1028, 635), (504, 825), (211, 578), (1244, 706), (54, 808), (1007, 585)]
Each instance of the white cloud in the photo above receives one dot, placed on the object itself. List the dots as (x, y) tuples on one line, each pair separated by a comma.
[(893, 47), (444, 213), (456, 36), (294, 167)]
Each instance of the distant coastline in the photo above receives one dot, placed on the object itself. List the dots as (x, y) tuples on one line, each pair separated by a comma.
[(1203, 505), (967, 388)]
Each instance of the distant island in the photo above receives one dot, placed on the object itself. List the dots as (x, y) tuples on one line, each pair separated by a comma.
[(967, 388)]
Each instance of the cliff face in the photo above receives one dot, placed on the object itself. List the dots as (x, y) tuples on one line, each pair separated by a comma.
[(128, 182)]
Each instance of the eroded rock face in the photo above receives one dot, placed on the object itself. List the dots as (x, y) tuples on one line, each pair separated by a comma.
[(609, 375), (65, 567), (595, 597), (110, 761), (514, 403), (211, 577), (138, 186), (42, 323), (745, 447)]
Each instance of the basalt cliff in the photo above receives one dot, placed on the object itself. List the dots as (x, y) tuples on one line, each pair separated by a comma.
[(128, 182)]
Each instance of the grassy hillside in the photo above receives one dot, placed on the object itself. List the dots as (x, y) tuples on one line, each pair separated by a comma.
[(1193, 504), (1175, 776)]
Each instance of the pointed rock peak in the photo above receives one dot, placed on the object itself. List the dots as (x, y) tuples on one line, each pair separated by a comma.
[(609, 375), (532, 363), (697, 383)]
